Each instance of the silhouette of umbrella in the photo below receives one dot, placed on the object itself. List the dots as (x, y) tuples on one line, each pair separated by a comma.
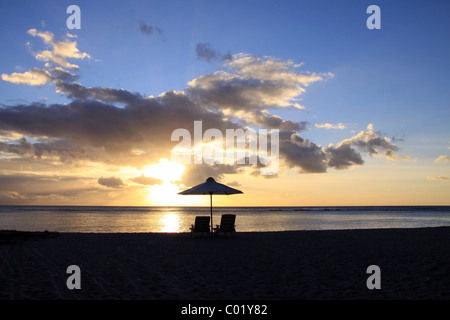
[(210, 187)]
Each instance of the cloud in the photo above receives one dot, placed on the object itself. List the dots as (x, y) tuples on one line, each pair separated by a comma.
[(75, 90), (442, 159), (60, 50), (196, 173), (61, 150), (92, 127), (349, 151), (58, 55), (234, 184), (39, 77), (107, 125), (46, 36), (146, 180), (372, 143), (100, 131), (330, 126), (252, 83), (111, 182), (309, 157), (33, 77), (61, 74), (148, 29), (205, 52), (407, 158), (20, 188), (439, 178), (302, 154), (343, 157)]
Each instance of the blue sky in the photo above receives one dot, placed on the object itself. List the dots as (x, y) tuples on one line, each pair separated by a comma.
[(395, 78)]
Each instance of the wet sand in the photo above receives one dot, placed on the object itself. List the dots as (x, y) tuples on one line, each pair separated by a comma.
[(297, 265)]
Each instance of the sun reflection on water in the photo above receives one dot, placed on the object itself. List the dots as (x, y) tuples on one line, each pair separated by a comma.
[(170, 223)]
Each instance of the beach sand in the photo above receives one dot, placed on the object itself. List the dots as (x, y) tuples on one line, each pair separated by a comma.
[(414, 264)]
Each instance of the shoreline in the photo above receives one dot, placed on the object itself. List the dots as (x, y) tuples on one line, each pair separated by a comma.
[(280, 265), (37, 233)]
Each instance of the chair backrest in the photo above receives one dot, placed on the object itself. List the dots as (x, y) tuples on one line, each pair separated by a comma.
[(227, 222), (202, 224)]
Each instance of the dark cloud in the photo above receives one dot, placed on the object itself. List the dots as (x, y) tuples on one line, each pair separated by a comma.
[(29, 188), (197, 173), (149, 29), (63, 75), (302, 154), (13, 181), (307, 156), (77, 91), (205, 52), (349, 152), (376, 145), (266, 120), (111, 182), (62, 150), (343, 157), (100, 131)]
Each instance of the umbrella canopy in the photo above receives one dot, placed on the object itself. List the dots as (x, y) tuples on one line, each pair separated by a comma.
[(210, 187)]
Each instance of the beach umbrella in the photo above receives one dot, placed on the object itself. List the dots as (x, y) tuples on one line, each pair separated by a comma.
[(210, 187)]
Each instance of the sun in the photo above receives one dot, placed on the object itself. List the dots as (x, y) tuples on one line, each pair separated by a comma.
[(167, 171), (166, 193)]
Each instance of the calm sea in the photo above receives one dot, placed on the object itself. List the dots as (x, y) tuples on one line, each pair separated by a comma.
[(179, 219)]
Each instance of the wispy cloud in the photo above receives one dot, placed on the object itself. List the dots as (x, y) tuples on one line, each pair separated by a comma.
[(61, 50), (330, 126), (148, 181), (439, 178), (56, 61), (442, 159), (149, 29), (204, 51)]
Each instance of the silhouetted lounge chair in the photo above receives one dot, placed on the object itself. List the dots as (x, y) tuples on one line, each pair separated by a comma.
[(201, 225), (226, 225)]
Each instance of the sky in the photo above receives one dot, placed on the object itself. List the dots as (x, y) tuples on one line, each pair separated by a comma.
[(351, 115)]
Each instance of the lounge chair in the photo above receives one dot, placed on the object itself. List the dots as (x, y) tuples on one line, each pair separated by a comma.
[(201, 225), (226, 225)]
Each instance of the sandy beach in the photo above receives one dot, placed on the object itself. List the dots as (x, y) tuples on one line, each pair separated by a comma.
[(414, 264)]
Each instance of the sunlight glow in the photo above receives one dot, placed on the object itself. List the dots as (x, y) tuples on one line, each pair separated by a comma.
[(165, 170), (166, 193), (170, 222)]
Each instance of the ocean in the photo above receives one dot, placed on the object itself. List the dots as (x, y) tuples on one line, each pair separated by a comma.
[(255, 219)]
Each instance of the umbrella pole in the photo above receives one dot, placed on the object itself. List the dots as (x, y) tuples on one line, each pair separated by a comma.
[(210, 204)]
